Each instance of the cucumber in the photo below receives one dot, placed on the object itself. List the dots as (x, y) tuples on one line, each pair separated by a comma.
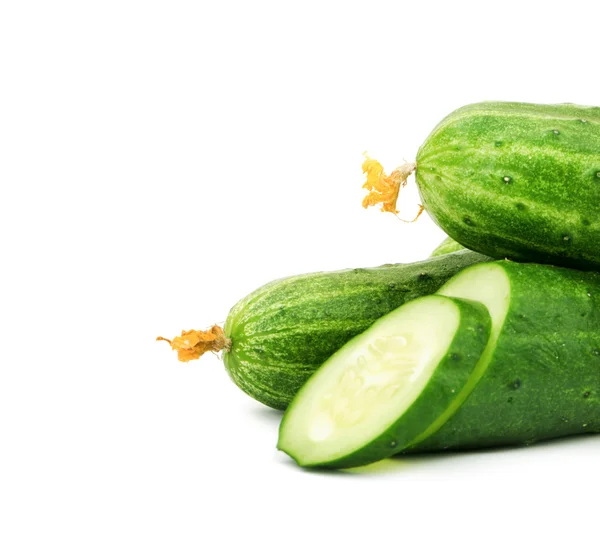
[(539, 377), (536, 378), (277, 336), (447, 246), (386, 386), (510, 180)]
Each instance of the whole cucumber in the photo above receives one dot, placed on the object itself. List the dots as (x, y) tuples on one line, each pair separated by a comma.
[(509, 180), (278, 335)]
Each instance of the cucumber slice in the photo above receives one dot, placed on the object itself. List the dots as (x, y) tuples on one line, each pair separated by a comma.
[(387, 385)]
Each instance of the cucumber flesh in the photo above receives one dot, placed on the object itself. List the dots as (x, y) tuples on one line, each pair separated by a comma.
[(387, 385), (488, 284)]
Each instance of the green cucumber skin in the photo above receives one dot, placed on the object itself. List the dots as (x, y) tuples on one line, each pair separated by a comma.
[(450, 375), (285, 330), (447, 246), (548, 212), (543, 380)]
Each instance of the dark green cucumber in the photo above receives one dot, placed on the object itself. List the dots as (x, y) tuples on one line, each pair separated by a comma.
[(385, 387), (447, 246), (518, 181), (540, 375), (281, 333)]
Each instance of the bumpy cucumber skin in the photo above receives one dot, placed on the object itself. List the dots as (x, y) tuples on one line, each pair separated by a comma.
[(447, 246), (449, 377), (543, 380), (517, 181), (285, 330)]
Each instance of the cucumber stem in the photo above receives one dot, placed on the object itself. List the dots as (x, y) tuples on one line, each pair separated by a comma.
[(384, 189), (192, 344)]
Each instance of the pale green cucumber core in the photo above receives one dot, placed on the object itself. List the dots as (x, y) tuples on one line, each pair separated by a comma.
[(488, 284), (370, 382)]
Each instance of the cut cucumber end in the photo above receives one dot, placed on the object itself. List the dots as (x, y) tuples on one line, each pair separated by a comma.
[(486, 283), (489, 285), (367, 401)]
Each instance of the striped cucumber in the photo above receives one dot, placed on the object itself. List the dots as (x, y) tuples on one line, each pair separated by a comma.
[(510, 180), (277, 336), (537, 378)]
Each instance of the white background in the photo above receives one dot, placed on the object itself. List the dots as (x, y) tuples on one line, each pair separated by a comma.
[(159, 161)]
